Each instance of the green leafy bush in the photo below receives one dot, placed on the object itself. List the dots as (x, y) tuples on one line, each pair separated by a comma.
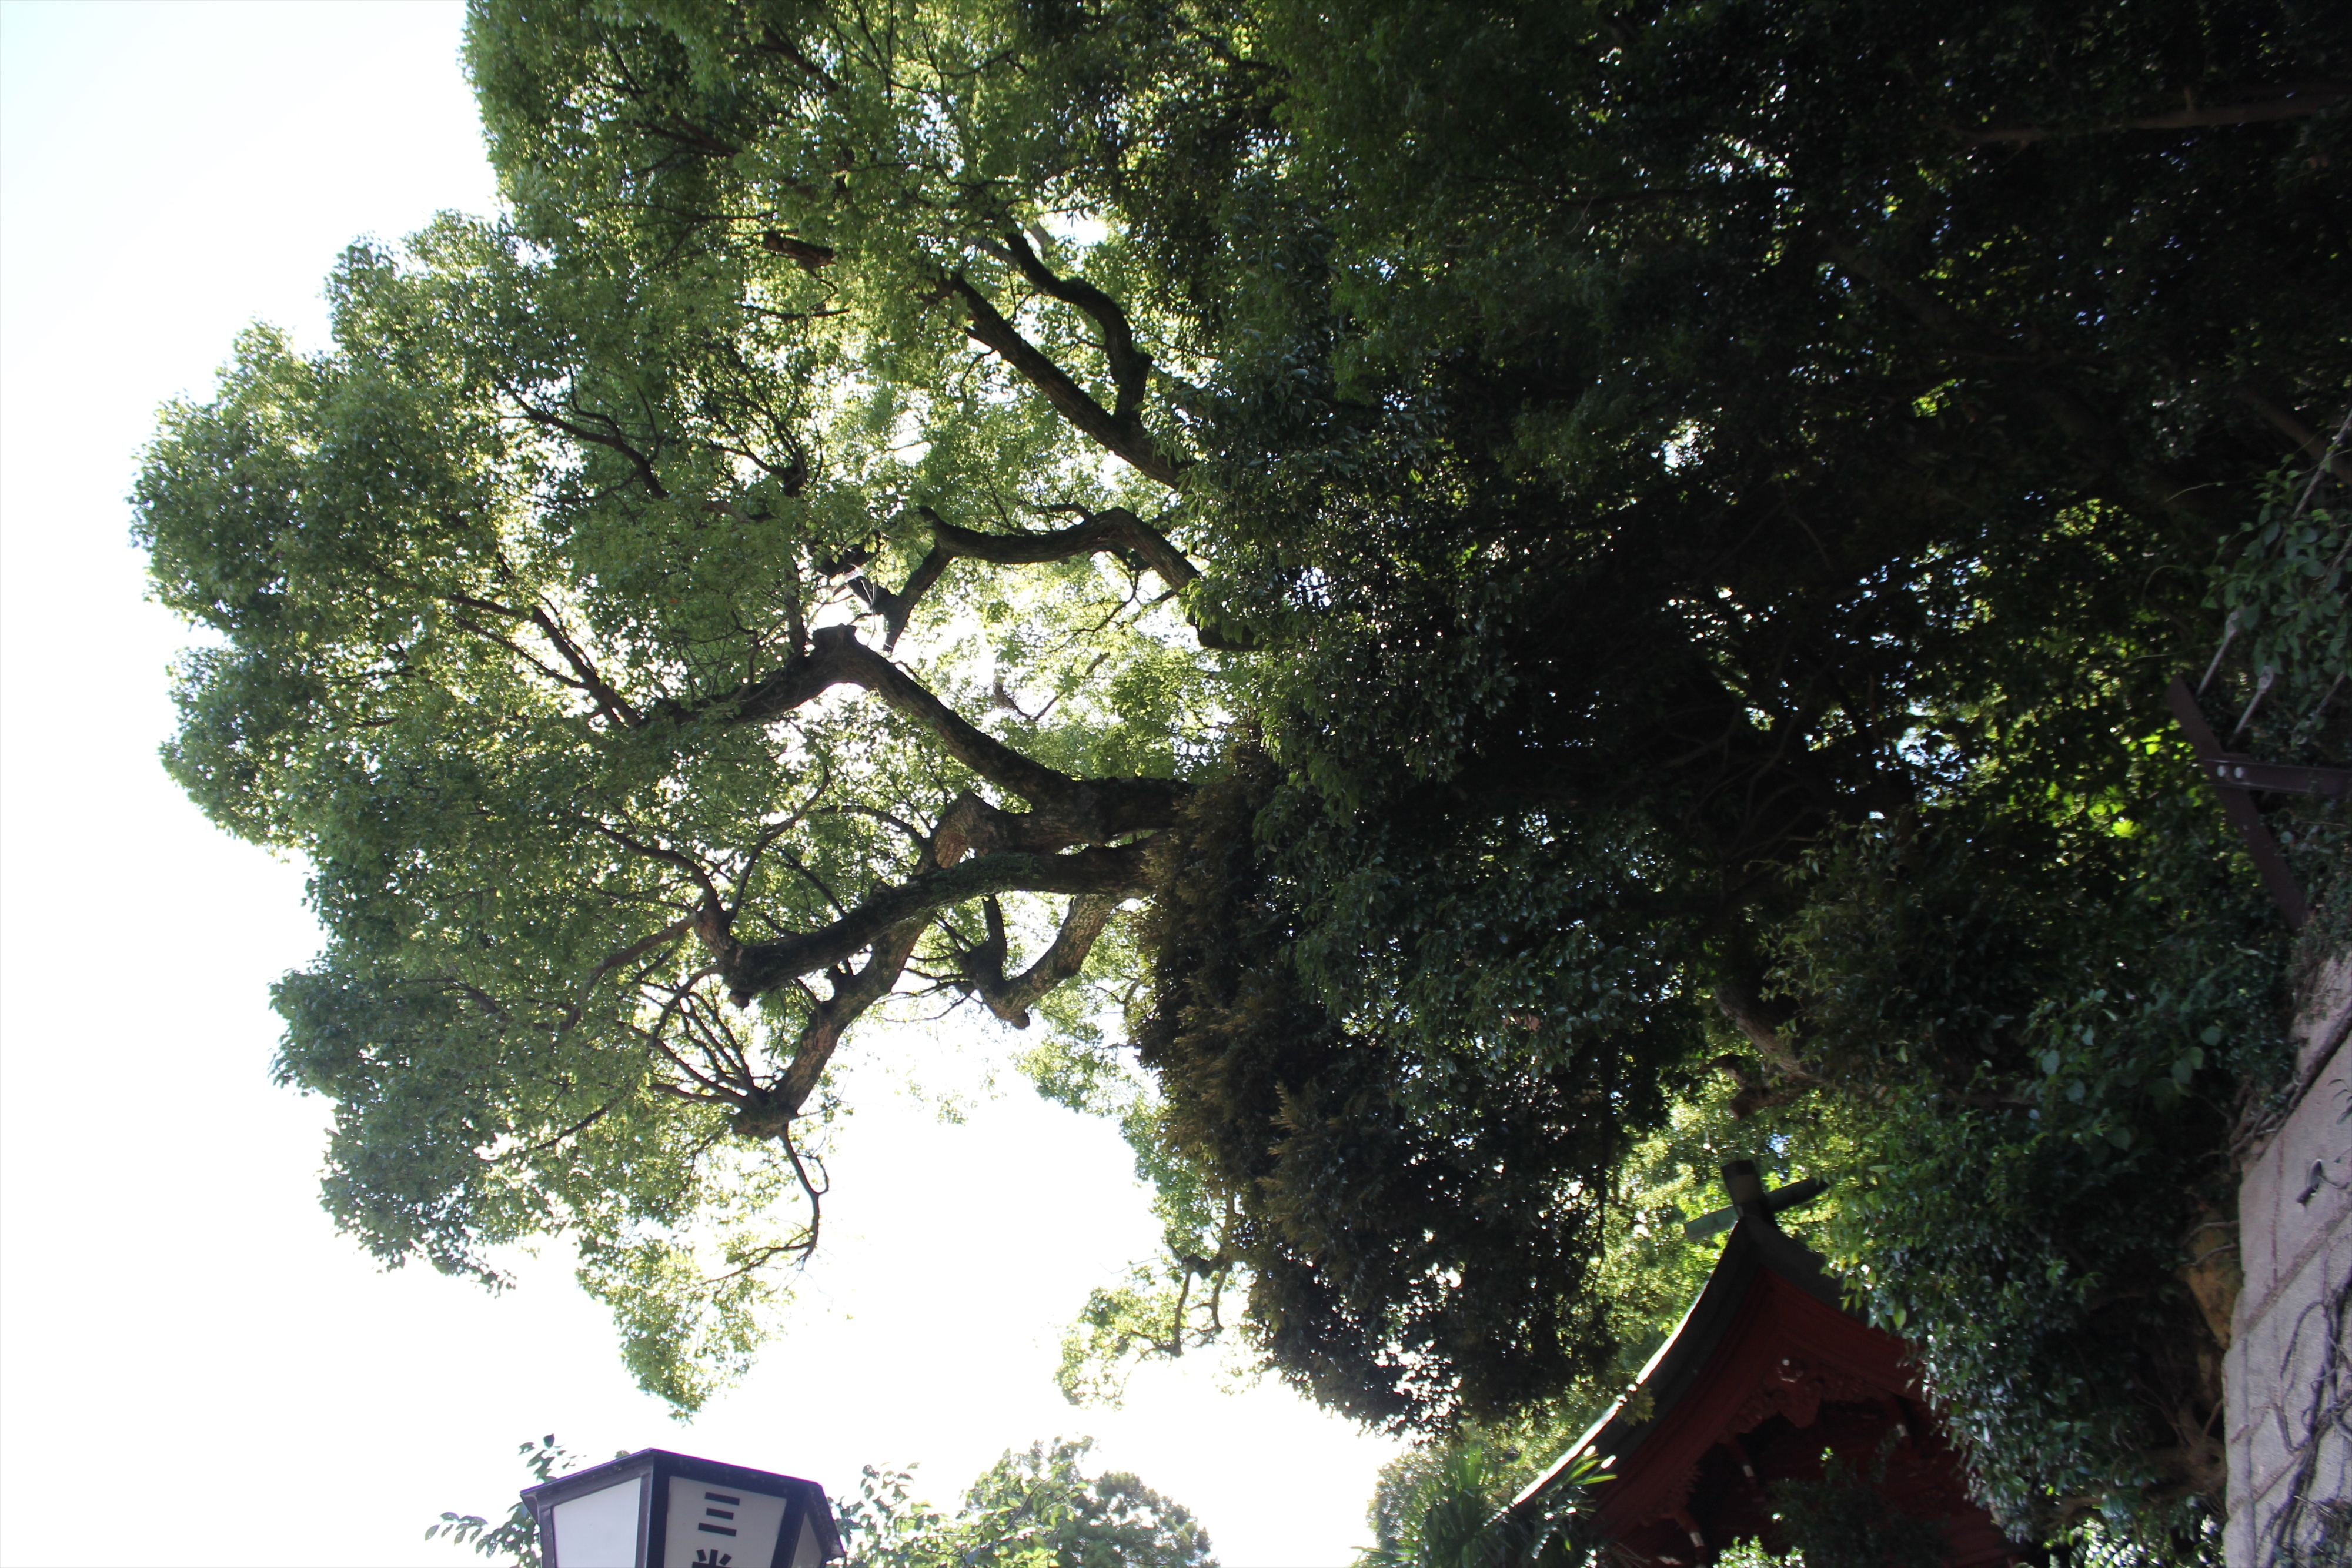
[(1842, 1521)]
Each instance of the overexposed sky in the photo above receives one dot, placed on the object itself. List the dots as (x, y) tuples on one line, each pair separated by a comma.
[(193, 1368)]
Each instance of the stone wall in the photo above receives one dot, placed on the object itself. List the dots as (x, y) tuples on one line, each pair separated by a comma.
[(2288, 1374)]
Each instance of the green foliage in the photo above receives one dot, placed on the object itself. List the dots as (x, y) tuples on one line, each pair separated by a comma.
[(1676, 445), (1035, 1508), (515, 1538), (1842, 1521), (1444, 1506), (1714, 490), (1660, 442), (2047, 1086), (2053, 1067), (2282, 580), (1411, 1218), (2092, 1543), (517, 600)]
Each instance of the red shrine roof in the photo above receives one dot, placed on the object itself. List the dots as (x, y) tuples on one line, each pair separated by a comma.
[(1765, 1372)]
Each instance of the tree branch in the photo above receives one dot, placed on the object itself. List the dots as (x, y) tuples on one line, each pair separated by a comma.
[(2294, 102), (614, 960), (595, 684), (610, 440), (2068, 414), (608, 701), (1112, 529), (769, 1111), (1130, 366), (812, 256), (1123, 436), (822, 1035), (1010, 1000), (774, 42), (1102, 811), (835, 658), (769, 835), (751, 969), (2294, 430), (687, 863)]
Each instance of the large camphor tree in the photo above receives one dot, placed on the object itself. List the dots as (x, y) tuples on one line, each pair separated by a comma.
[(1533, 550), (673, 618)]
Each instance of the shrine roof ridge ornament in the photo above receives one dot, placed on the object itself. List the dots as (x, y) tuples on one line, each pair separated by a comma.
[(1779, 1200)]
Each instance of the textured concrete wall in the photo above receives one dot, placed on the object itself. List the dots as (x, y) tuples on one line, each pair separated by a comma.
[(2289, 1369)]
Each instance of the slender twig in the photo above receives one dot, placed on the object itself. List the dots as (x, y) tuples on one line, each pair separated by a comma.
[(691, 866), (2229, 630), (628, 955)]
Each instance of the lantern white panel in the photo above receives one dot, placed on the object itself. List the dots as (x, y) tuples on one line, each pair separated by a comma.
[(713, 1526), (599, 1529), (809, 1552)]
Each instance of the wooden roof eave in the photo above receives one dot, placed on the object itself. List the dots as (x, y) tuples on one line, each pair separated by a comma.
[(1756, 1243)]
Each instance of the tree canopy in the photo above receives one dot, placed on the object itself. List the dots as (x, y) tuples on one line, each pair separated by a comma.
[(539, 602), (1542, 556), (1035, 1508)]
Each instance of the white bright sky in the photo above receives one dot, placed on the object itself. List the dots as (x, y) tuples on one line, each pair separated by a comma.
[(198, 1370)]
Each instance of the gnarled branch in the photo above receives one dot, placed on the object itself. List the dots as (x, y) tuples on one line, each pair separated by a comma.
[(1112, 529), (1130, 366), (1095, 808), (753, 969), (1122, 436), (769, 1112), (1011, 998), (610, 437), (1101, 810)]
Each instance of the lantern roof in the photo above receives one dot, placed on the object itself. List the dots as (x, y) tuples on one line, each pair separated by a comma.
[(667, 1498)]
